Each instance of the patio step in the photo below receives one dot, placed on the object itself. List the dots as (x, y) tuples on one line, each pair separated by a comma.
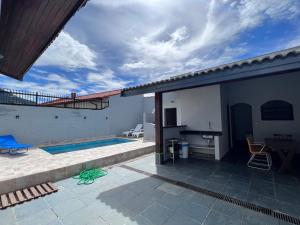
[(26, 194)]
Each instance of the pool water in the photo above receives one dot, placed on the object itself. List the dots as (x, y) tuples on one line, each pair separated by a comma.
[(84, 145)]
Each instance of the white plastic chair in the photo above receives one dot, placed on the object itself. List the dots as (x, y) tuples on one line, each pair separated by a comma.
[(135, 131), (138, 133)]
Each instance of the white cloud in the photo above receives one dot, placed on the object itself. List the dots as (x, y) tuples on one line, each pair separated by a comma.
[(68, 53), (204, 36), (294, 42), (55, 84), (106, 80), (141, 41)]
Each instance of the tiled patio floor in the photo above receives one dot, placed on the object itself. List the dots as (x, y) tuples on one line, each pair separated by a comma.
[(127, 197), (267, 189)]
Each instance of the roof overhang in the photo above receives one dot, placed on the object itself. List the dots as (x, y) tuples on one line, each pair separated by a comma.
[(27, 28), (247, 69)]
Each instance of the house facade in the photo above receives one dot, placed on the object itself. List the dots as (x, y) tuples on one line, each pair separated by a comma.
[(215, 109)]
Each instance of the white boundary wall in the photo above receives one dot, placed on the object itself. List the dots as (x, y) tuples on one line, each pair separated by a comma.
[(37, 125)]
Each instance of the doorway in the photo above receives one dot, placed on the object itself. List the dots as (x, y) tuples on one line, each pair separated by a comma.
[(241, 125)]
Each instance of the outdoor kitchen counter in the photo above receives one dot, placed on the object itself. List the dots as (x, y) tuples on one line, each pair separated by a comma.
[(179, 126), (200, 132)]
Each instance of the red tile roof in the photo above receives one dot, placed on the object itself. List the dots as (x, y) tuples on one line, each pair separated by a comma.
[(83, 98), (99, 95)]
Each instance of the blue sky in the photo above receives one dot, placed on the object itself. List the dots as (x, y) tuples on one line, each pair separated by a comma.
[(118, 43)]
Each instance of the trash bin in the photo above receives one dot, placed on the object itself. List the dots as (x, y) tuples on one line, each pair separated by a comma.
[(184, 153)]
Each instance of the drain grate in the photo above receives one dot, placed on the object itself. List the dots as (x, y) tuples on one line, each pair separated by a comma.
[(270, 212), (26, 194)]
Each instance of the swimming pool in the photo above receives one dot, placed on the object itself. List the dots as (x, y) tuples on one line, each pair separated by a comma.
[(84, 145)]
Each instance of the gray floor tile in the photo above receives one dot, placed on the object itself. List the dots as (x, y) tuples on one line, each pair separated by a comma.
[(286, 180), (262, 188), (264, 176), (244, 179), (40, 217), (170, 188), (233, 211), (255, 218), (216, 187), (27, 208), (85, 215), (98, 221), (139, 220), (170, 201), (220, 179), (7, 217), (157, 213), (179, 219), (61, 195), (201, 199), (197, 181), (154, 194), (196, 211), (236, 193), (239, 185), (288, 195), (215, 218), (291, 209), (263, 201), (55, 222), (67, 206), (118, 216), (138, 203)]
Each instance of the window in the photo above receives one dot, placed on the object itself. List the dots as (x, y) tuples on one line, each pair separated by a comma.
[(277, 110), (170, 117)]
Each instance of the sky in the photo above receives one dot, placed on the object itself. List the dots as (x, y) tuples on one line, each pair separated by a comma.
[(112, 44)]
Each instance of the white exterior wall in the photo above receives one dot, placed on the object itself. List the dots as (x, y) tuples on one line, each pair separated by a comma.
[(38, 125), (198, 109), (258, 91), (125, 113), (149, 118)]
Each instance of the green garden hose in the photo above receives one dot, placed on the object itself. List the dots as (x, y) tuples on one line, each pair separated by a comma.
[(89, 176)]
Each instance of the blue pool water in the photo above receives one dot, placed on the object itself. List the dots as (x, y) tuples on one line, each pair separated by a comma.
[(84, 145)]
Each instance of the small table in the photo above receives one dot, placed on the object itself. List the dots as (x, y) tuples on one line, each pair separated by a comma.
[(286, 150)]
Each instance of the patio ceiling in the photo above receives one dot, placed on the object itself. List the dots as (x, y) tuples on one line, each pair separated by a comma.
[(27, 28), (280, 62)]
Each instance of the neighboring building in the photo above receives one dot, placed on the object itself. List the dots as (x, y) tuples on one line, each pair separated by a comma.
[(92, 101), (258, 96)]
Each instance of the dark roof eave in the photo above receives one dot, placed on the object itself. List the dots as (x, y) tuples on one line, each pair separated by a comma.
[(19, 73), (202, 78)]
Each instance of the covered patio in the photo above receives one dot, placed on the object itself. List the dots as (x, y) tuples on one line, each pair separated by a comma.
[(214, 110)]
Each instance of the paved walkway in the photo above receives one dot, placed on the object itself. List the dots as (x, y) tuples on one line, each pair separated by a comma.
[(127, 197)]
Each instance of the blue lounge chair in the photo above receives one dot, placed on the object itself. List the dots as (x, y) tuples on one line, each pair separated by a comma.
[(9, 143)]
